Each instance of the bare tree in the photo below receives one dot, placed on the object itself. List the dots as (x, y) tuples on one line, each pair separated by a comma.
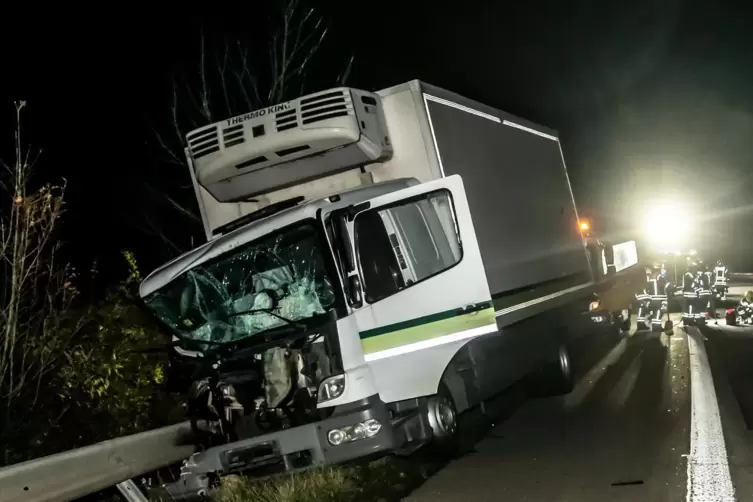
[(236, 79), (35, 292)]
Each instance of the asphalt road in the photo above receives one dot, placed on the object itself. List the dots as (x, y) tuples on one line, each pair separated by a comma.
[(634, 429), (730, 352)]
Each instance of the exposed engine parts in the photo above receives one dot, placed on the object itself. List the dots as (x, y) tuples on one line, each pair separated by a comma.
[(253, 393)]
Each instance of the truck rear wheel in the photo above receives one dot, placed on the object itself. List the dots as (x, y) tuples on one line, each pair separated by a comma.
[(557, 376), (625, 325)]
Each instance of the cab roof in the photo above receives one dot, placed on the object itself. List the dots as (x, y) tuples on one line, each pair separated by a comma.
[(252, 231)]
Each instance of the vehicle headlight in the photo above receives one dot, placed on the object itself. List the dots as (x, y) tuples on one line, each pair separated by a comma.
[(331, 388), (594, 305), (350, 433)]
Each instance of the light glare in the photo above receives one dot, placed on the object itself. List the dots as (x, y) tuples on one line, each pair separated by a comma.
[(667, 226)]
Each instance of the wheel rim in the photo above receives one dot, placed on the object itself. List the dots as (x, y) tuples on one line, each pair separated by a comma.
[(446, 415), (564, 358), (442, 416)]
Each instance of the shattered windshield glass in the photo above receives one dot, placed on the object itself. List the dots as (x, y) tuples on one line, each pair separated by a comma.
[(265, 284)]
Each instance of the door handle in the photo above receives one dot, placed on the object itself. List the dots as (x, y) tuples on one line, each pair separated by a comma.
[(474, 307)]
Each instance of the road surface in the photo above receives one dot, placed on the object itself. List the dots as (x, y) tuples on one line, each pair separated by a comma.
[(624, 433)]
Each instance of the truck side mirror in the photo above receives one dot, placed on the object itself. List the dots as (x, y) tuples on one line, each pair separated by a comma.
[(354, 292)]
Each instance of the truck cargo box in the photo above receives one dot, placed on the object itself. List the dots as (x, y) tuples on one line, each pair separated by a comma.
[(521, 201)]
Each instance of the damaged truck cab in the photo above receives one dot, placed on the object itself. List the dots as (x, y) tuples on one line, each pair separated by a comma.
[(376, 264)]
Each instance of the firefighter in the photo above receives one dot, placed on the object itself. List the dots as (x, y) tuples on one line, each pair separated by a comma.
[(689, 295), (643, 299), (658, 298), (703, 290), (708, 274), (670, 287), (720, 281), (744, 310)]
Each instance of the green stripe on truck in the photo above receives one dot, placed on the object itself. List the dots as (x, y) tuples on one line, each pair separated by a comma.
[(423, 328)]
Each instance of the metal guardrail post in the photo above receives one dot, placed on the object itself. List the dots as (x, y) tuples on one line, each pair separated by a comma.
[(131, 492), (76, 473)]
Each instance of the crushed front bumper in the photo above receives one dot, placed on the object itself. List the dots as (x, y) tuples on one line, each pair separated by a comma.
[(287, 450)]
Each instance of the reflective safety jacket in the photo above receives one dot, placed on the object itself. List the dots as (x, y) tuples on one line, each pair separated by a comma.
[(689, 285), (658, 287), (720, 275), (703, 284), (644, 294)]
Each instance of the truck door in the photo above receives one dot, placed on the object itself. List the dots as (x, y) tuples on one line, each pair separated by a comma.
[(423, 284)]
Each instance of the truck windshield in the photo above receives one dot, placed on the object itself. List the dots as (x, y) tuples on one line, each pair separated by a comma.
[(267, 283)]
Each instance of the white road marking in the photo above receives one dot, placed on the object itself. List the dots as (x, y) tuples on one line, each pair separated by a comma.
[(586, 384), (708, 471), (624, 388)]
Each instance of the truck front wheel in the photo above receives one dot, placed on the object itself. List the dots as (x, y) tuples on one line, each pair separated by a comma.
[(443, 419)]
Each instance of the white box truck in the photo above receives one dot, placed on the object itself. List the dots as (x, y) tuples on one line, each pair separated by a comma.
[(376, 264)]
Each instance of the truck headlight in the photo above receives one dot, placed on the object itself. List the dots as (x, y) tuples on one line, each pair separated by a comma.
[(331, 388), (594, 306), (350, 433)]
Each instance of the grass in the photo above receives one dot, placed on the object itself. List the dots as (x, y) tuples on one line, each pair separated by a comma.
[(381, 480)]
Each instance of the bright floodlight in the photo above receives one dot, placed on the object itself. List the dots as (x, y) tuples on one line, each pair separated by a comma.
[(667, 226)]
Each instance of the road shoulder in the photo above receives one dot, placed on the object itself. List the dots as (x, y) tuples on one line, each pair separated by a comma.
[(730, 355)]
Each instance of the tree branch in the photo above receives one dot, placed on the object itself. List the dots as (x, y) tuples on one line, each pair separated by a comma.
[(235, 80)]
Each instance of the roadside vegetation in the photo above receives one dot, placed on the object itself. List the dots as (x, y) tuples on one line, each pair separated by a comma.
[(71, 348), (67, 349), (386, 479), (70, 343)]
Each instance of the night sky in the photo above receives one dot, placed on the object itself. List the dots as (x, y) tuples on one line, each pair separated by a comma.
[(652, 99)]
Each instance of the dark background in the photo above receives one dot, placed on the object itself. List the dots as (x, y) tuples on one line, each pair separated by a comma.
[(652, 99)]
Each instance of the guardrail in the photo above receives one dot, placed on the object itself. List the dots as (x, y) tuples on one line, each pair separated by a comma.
[(77, 473), (741, 276)]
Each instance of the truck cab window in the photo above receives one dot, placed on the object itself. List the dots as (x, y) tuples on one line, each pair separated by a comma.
[(406, 243)]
